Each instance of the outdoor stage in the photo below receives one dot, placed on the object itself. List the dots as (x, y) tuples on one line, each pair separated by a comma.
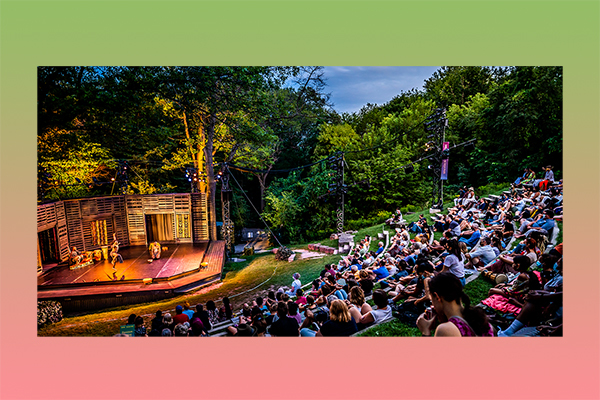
[(100, 286)]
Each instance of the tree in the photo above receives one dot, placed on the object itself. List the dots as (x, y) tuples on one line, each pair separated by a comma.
[(454, 85), (523, 124)]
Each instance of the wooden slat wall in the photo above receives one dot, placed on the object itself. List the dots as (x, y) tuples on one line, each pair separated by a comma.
[(61, 231), (80, 213), (52, 215), (120, 220), (46, 216), (139, 205), (182, 205), (135, 220), (74, 225), (124, 216), (199, 217)]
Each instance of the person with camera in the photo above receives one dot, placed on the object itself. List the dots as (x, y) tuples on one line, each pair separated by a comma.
[(452, 314)]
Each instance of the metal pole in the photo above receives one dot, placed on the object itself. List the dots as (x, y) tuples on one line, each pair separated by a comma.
[(227, 230), (441, 181), (340, 179)]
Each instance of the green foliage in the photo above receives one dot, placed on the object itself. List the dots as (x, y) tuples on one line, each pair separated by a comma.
[(72, 174), (334, 138), (455, 85), (523, 124)]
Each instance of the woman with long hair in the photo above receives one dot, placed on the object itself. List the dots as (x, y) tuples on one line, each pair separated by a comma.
[(213, 313), (453, 312), (225, 312), (454, 261), (357, 299), (340, 323)]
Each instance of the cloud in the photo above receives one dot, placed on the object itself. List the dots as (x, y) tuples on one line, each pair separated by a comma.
[(352, 88)]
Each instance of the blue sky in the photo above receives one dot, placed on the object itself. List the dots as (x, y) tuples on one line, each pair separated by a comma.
[(353, 87)]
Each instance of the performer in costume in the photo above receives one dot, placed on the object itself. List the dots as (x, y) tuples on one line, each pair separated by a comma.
[(76, 256), (155, 250), (114, 251)]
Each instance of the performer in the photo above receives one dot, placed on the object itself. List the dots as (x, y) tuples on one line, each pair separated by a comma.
[(76, 256), (114, 252), (155, 249)]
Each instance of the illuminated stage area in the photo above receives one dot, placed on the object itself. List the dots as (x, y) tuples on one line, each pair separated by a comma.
[(176, 259), (136, 280), (178, 222)]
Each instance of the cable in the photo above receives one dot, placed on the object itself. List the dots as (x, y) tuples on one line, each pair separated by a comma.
[(244, 169), (429, 156), (274, 235), (252, 204)]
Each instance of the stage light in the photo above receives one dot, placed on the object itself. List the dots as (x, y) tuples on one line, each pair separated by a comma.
[(430, 166), (112, 179)]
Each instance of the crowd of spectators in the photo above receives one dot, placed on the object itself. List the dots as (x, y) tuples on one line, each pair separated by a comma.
[(417, 277)]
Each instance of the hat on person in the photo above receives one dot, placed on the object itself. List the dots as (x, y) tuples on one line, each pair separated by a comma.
[(245, 330), (166, 332), (296, 275), (167, 319), (179, 309)]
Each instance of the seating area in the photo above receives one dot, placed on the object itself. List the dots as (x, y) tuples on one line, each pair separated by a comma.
[(509, 239)]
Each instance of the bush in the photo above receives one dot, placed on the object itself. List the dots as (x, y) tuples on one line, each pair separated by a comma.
[(283, 253), (49, 312)]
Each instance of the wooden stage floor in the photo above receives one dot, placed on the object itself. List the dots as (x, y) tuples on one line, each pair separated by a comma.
[(178, 258)]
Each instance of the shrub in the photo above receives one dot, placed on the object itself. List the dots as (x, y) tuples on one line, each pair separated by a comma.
[(49, 312), (283, 253)]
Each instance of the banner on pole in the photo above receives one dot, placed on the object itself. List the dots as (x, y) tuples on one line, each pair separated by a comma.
[(444, 172)]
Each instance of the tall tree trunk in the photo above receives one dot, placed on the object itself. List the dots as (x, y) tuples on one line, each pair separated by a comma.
[(212, 186), (262, 180), (195, 156)]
